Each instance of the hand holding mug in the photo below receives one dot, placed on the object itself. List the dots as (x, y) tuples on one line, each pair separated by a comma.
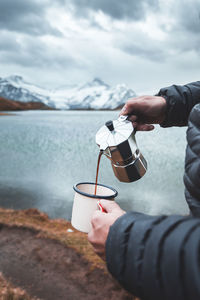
[(101, 222)]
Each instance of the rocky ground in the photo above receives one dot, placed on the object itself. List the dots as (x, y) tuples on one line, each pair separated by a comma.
[(47, 259)]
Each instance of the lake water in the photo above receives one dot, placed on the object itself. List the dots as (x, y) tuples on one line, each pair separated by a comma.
[(43, 154)]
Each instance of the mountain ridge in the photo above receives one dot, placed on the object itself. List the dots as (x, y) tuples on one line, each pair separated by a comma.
[(93, 95)]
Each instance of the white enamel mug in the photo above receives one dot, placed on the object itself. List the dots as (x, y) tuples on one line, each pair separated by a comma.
[(86, 202)]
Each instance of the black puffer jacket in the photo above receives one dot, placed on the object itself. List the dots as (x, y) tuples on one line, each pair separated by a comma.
[(158, 258)]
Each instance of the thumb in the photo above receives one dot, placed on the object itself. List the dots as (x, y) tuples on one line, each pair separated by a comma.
[(130, 107), (109, 205)]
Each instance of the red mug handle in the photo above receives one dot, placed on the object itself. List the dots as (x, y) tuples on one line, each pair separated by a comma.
[(100, 207)]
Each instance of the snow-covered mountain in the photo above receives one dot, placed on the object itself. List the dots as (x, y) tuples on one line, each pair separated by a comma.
[(92, 95)]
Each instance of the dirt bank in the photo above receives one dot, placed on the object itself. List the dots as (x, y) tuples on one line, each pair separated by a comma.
[(4, 114), (6, 104), (50, 260)]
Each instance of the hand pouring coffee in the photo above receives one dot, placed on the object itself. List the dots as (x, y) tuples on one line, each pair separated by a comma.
[(116, 139)]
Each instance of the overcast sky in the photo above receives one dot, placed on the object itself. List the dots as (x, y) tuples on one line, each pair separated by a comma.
[(146, 44)]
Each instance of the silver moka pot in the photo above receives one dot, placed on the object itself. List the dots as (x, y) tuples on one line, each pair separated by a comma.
[(117, 141)]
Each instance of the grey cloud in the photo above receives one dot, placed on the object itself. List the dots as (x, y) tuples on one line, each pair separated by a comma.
[(150, 52), (25, 16), (188, 13), (184, 36), (188, 42), (129, 9), (138, 44), (31, 60), (32, 53), (8, 42)]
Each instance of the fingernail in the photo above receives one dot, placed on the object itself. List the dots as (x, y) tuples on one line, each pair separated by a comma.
[(123, 109)]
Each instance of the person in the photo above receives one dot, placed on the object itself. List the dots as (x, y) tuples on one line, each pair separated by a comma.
[(157, 257)]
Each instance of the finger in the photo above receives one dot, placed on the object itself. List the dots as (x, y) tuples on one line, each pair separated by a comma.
[(96, 214), (123, 110), (95, 217), (109, 205), (144, 127), (132, 118), (135, 124), (90, 236), (129, 107)]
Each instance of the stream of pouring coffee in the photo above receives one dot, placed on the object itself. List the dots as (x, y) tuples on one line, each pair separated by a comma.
[(97, 171)]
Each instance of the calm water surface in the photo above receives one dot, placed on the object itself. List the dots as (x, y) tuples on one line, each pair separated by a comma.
[(43, 154)]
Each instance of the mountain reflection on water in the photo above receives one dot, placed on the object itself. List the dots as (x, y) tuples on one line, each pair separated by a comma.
[(44, 153)]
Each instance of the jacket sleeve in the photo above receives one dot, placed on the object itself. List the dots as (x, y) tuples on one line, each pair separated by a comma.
[(156, 258), (180, 101), (192, 162)]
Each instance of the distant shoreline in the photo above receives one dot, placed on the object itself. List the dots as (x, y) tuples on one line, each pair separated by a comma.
[(5, 114), (12, 105), (57, 110)]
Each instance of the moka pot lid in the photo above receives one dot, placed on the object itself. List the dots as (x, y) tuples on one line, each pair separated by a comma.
[(114, 132)]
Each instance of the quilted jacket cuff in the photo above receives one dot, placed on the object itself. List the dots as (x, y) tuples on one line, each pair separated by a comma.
[(169, 102)]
